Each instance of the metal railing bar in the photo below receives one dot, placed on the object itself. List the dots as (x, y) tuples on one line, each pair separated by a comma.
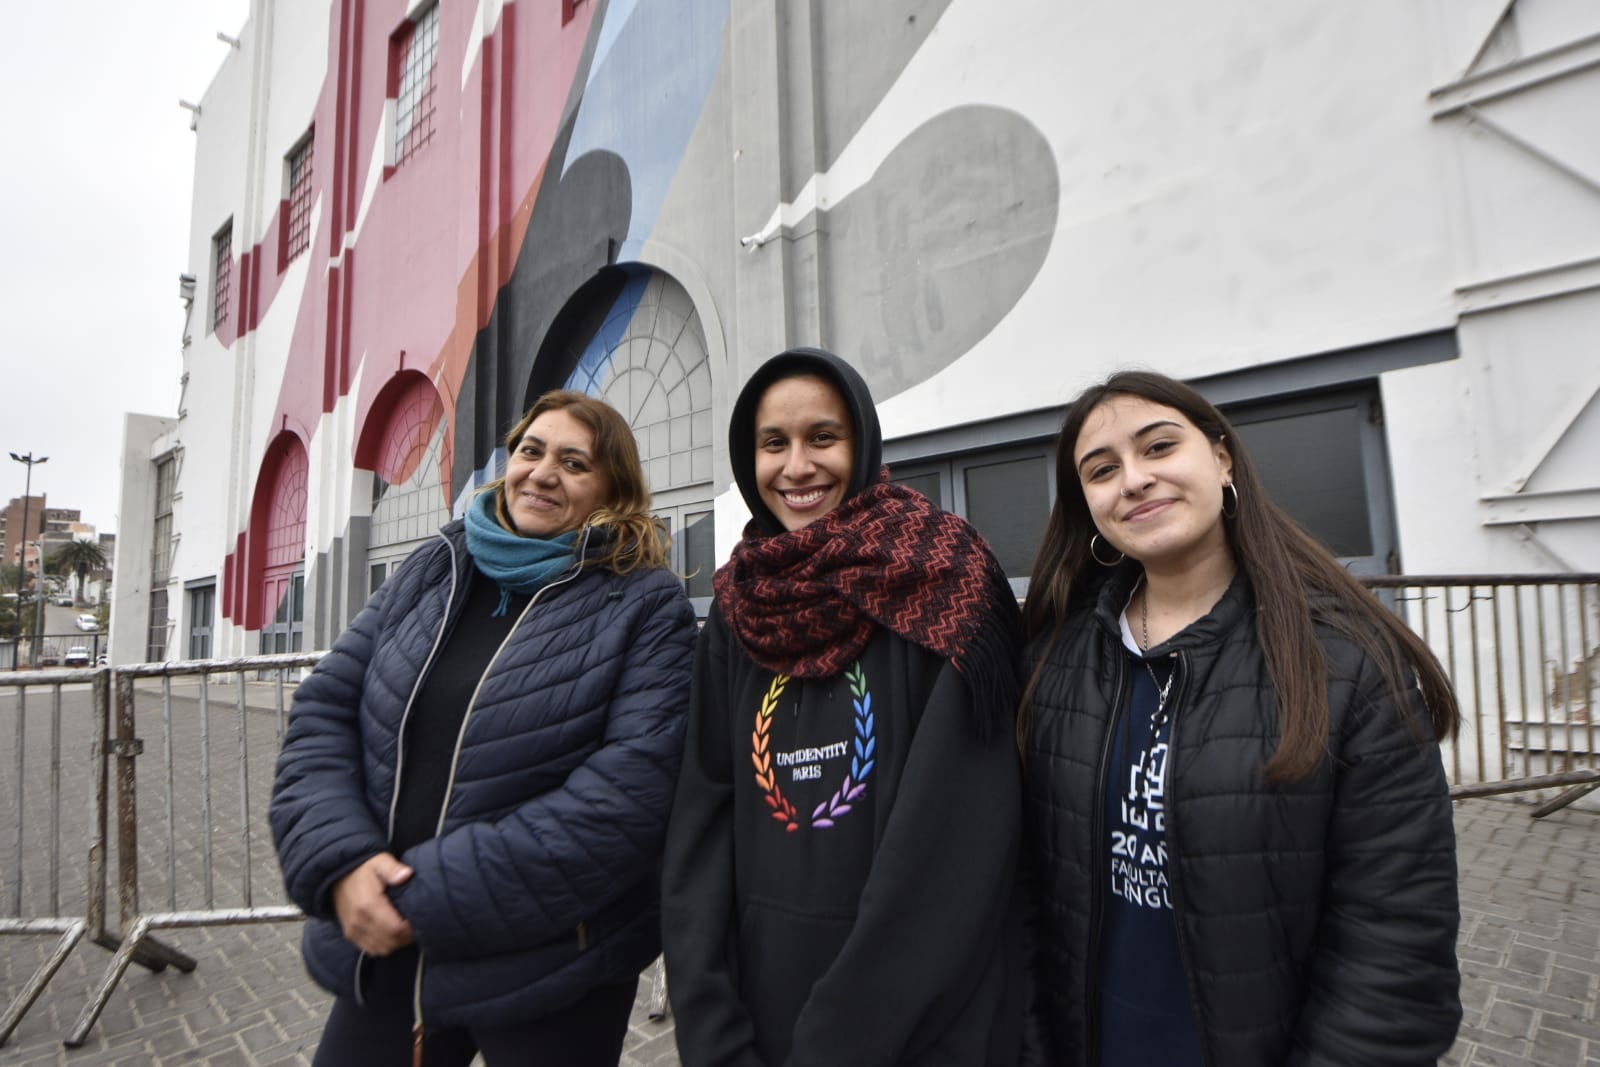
[(1584, 665), (21, 792), (205, 791), (1523, 785), (1560, 677), (171, 803), (244, 793), (55, 806), (1401, 581)]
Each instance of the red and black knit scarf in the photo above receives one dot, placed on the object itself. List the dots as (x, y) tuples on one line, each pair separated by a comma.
[(804, 603)]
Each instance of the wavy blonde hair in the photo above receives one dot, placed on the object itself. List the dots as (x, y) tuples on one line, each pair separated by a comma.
[(636, 538)]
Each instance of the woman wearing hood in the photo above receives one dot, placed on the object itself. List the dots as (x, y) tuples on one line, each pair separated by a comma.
[(840, 878)]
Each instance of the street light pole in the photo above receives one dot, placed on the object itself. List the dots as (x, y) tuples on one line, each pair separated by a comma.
[(38, 602), (22, 541)]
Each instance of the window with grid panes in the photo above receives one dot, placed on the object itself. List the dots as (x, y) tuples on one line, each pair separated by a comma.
[(161, 540), (221, 274), (202, 607), (298, 238), (155, 649), (416, 49)]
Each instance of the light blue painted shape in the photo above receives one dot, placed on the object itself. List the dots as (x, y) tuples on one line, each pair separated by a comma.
[(618, 12), (481, 477), (594, 366), (653, 69)]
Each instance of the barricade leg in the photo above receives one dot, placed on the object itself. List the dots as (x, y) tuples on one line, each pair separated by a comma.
[(71, 932), (659, 1008), (1576, 792), (138, 935)]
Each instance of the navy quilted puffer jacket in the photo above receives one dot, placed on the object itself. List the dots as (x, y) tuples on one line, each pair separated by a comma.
[(542, 883)]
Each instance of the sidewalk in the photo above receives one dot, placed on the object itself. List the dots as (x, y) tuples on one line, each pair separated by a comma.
[(1530, 959), (1530, 937)]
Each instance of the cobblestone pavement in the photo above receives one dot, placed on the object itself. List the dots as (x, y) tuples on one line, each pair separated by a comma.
[(1530, 889)]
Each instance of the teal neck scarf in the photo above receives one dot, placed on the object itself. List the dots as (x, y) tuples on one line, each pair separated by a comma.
[(520, 565)]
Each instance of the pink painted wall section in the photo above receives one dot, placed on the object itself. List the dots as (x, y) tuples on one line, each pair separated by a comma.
[(442, 231)]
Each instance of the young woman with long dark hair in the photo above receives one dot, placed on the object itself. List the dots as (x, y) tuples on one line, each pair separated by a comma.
[(1238, 813)]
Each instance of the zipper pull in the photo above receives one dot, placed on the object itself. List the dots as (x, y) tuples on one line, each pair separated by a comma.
[(416, 1045), (583, 938)]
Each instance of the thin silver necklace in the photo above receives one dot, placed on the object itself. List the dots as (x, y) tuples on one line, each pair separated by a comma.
[(1162, 691), (1158, 721)]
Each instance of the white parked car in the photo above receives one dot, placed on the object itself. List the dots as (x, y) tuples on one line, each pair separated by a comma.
[(88, 623), (77, 656)]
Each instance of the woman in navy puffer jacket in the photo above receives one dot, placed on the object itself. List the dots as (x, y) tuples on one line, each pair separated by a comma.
[(472, 795)]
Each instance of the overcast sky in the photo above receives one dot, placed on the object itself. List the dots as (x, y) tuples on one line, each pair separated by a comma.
[(94, 230)]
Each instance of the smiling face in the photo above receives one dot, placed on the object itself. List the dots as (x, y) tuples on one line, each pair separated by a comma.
[(552, 482), (804, 456), (1153, 482)]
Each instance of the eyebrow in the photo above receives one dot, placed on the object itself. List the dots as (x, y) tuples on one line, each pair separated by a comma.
[(1093, 452), (564, 450), (820, 424)]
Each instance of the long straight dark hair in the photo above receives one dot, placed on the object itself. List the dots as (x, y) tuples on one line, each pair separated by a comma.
[(1287, 570)]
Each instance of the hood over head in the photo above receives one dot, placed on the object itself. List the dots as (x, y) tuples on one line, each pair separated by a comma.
[(795, 363)]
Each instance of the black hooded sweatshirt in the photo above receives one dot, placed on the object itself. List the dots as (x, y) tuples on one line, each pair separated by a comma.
[(840, 876)]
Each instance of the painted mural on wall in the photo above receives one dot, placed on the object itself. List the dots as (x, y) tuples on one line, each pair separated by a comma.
[(495, 242)]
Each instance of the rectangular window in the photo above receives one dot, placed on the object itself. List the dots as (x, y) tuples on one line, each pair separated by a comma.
[(1009, 503), (202, 609), (161, 539), (926, 483), (699, 552), (221, 274), (375, 575), (1322, 459), (156, 646), (1005, 492), (415, 49), (297, 231), (297, 612)]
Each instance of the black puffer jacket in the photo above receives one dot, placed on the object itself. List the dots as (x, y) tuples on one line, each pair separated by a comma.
[(1317, 920)]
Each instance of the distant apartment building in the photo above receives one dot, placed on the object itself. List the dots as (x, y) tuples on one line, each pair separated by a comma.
[(29, 510)]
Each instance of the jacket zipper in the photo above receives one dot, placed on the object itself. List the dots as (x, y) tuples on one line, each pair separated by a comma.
[(1170, 798), (455, 756), (1091, 978), (400, 748)]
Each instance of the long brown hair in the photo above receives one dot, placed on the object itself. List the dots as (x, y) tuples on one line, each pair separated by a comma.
[(1287, 570), (636, 537)]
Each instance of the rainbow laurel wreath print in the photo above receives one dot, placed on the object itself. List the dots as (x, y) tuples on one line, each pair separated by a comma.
[(863, 756)]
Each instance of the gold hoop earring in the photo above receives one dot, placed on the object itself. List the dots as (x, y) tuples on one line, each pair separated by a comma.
[(1225, 512), (1094, 541)]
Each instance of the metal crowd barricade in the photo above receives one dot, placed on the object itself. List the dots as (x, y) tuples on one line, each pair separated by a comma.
[(1523, 652), (29, 913), (191, 896)]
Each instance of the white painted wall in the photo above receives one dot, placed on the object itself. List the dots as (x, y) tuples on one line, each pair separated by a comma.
[(1240, 184), (143, 438)]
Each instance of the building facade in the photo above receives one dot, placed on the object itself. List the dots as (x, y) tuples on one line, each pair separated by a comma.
[(22, 524), (1370, 231)]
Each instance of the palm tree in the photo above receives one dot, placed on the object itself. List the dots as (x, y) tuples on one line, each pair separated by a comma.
[(81, 558)]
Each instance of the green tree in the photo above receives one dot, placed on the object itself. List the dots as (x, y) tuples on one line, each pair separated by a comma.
[(80, 559)]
